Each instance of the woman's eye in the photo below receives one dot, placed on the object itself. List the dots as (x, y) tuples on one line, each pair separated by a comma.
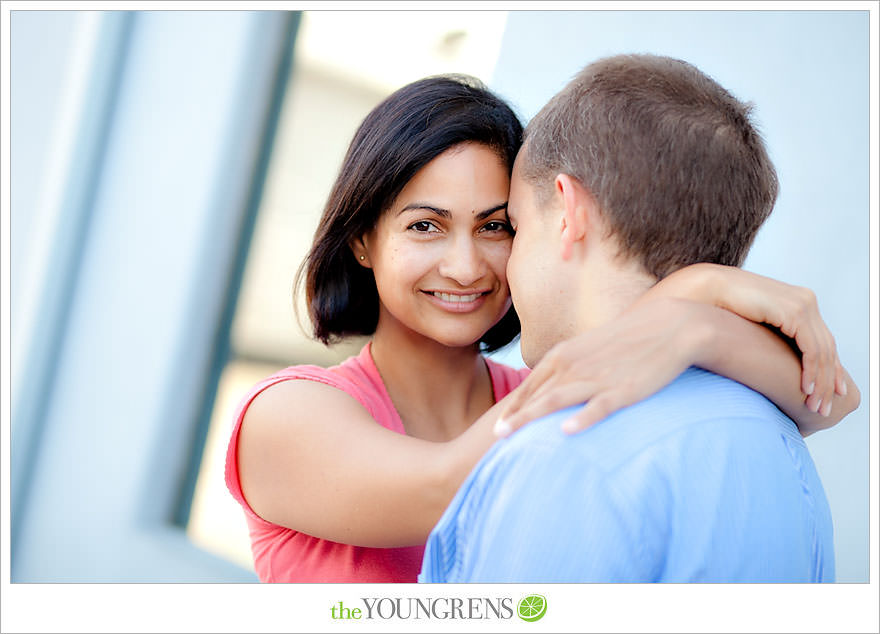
[(423, 226), (498, 225)]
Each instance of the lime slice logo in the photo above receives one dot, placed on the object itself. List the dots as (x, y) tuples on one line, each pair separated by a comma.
[(532, 607)]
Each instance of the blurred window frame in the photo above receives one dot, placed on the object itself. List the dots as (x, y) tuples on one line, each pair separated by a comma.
[(139, 375)]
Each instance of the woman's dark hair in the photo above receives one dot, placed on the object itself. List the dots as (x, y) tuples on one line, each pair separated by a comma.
[(399, 137)]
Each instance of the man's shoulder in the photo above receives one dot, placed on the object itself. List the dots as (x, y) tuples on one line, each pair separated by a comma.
[(633, 491), (696, 405)]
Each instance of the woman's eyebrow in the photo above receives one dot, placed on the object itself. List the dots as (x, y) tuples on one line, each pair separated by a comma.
[(445, 213), (489, 212), (437, 210)]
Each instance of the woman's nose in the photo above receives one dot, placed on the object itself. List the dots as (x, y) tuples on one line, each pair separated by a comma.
[(462, 262)]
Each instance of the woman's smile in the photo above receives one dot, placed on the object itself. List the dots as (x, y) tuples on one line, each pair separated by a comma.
[(458, 301)]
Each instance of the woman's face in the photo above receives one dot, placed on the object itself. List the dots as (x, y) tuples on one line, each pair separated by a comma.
[(439, 253)]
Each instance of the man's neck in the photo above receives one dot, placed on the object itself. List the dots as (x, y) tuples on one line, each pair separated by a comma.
[(608, 289)]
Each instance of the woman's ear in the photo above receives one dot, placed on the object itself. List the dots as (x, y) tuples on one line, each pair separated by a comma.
[(577, 204), (359, 248)]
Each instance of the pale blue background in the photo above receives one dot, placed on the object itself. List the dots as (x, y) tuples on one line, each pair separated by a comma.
[(807, 73), (129, 267)]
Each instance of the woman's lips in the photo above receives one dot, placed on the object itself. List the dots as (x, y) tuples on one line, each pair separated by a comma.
[(457, 302)]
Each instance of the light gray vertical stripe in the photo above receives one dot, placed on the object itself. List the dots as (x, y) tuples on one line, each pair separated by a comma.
[(35, 376)]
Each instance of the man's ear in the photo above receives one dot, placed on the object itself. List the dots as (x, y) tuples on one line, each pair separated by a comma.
[(577, 204), (358, 246)]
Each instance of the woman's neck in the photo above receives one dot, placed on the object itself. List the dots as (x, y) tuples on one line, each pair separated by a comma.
[(438, 391)]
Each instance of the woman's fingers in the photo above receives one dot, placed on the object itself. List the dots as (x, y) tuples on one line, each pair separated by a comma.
[(809, 361), (812, 359), (840, 380), (808, 375), (820, 378), (830, 370), (821, 359), (598, 408), (550, 371), (552, 400), (794, 310), (801, 320), (830, 363)]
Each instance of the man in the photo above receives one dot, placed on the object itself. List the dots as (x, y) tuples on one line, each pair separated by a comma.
[(640, 166)]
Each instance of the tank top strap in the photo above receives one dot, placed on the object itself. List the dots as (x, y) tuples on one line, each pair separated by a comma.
[(504, 378), (362, 372)]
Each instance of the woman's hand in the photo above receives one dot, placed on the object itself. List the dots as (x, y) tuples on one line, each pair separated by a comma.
[(792, 309), (612, 366)]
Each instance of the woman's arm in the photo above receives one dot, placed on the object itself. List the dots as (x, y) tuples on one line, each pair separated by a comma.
[(625, 361), (757, 357), (792, 310), (808, 383), (331, 471)]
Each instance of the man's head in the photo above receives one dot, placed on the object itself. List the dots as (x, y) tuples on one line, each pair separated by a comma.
[(639, 166)]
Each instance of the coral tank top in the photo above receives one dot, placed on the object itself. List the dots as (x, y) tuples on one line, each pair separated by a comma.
[(284, 555)]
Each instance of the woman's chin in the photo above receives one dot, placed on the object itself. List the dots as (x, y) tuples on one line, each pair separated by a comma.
[(457, 342), (460, 338), (455, 337)]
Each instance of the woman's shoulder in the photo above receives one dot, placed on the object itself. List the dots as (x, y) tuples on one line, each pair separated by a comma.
[(293, 400), (299, 397), (310, 391), (307, 380), (300, 400), (306, 377)]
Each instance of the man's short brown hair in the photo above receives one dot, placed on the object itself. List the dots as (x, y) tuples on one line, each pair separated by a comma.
[(680, 173)]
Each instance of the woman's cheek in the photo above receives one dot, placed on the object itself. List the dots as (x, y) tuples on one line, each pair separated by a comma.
[(415, 258), (498, 253)]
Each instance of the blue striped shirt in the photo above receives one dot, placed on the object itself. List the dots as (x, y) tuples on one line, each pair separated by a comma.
[(706, 481)]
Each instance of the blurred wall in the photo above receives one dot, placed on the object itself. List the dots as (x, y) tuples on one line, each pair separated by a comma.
[(807, 73), (154, 147)]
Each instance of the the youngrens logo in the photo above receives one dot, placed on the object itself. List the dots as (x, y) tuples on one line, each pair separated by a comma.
[(530, 608)]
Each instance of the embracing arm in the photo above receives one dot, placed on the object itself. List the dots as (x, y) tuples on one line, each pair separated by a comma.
[(688, 319), (812, 387), (755, 356), (329, 470)]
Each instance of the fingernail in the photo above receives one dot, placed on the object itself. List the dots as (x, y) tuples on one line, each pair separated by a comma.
[(826, 409), (817, 405), (570, 426), (502, 428), (811, 387), (843, 389)]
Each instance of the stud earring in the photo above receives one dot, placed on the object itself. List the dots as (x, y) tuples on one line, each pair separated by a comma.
[(361, 258)]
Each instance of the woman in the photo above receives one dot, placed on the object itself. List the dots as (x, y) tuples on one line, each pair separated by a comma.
[(343, 472)]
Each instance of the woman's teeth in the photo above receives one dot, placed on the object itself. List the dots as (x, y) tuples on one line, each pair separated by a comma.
[(446, 297)]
